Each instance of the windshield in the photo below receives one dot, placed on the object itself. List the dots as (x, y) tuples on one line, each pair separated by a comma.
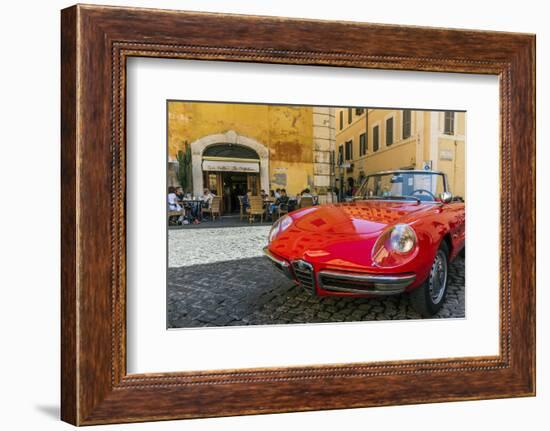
[(423, 186)]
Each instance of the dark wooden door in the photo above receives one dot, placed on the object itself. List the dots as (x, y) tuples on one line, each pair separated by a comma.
[(253, 184)]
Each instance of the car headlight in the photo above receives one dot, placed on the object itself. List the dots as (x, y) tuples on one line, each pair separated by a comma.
[(274, 231), (279, 226), (395, 246), (402, 238)]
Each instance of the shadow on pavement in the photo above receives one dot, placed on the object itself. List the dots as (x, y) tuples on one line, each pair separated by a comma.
[(251, 292)]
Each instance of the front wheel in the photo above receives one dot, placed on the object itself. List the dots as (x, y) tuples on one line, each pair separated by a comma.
[(429, 297)]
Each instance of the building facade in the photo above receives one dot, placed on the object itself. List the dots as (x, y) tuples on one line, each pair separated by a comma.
[(372, 140), (238, 147)]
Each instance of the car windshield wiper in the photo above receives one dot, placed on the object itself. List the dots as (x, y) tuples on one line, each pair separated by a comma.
[(408, 197), (385, 198)]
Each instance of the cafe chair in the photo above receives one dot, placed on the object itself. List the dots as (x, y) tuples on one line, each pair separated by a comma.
[(214, 207), (174, 216), (256, 208), (306, 202), (281, 209)]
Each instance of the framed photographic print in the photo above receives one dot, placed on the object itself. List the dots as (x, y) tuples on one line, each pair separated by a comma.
[(260, 217), (329, 205)]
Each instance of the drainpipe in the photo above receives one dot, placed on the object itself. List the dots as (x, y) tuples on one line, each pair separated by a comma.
[(366, 135), (454, 167)]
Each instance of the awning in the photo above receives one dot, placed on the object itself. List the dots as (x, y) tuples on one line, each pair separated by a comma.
[(230, 166)]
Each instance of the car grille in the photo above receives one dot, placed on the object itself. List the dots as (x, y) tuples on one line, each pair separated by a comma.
[(327, 282), (364, 283), (304, 274)]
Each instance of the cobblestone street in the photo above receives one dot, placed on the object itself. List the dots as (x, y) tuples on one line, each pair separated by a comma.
[(218, 277)]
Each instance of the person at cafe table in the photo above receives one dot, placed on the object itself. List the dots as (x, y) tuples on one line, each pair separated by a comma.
[(207, 198), (306, 193), (263, 194), (246, 199), (283, 201), (173, 204), (180, 194)]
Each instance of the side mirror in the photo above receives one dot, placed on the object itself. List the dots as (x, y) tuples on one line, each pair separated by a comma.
[(446, 197)]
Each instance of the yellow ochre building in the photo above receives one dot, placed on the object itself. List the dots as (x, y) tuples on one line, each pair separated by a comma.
[(400, 139), (238, 147), (235, 147)]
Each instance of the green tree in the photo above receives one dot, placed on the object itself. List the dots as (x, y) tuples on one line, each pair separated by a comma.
[(185, 176)]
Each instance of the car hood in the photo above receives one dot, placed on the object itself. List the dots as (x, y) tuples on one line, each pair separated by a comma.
[(360, 217)]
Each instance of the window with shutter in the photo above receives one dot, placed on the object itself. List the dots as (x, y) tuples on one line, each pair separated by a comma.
[(349, 150), (389, 131), (362, 144), (449, 127), (406, 123)]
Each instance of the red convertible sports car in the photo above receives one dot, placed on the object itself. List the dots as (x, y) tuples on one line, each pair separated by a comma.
[(397, 235)]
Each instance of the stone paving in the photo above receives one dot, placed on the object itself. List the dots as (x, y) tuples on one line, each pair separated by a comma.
[(210, 245), (218, 277)]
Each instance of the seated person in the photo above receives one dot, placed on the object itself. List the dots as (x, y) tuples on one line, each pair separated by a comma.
[(283, 198), (283, 201), (305, 194), (173, 204), (207, 198), (180, 194), (272, 198), (246, 199)]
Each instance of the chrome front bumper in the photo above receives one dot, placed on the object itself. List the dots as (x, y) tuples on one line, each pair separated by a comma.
[(280, 264), (371, 284), (342, 282)]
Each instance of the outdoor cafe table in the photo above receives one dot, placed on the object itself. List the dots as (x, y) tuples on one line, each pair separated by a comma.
[(267, 203), (195, 204)]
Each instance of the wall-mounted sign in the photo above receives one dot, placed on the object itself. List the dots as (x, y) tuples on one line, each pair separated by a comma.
[(446, 154), (229, 166)]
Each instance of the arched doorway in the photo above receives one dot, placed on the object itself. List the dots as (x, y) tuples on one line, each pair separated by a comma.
[(230, 170), (225, 162)]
